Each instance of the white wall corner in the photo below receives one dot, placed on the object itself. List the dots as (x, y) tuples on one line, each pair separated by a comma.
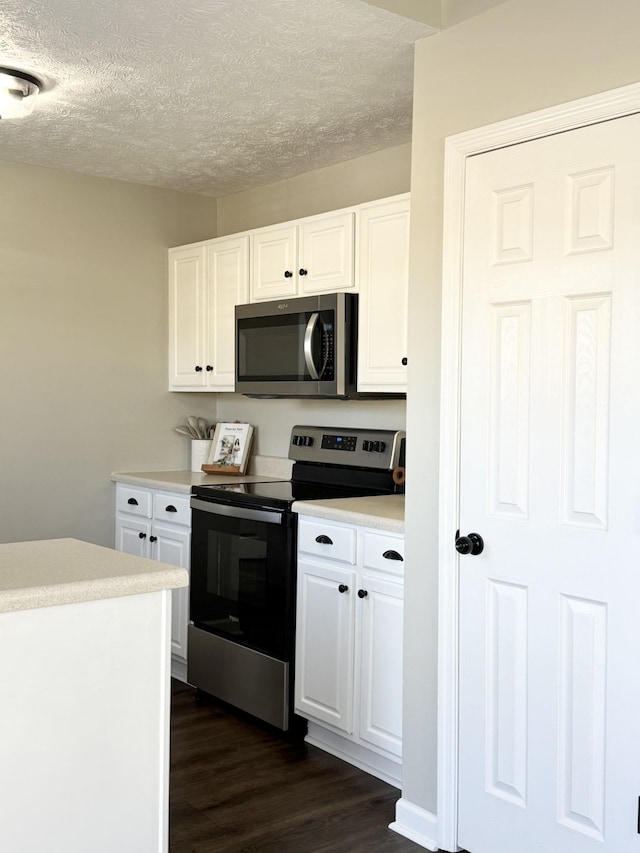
[(416, 824)]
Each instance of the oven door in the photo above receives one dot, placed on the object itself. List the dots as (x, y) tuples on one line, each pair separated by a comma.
[(243, 576)]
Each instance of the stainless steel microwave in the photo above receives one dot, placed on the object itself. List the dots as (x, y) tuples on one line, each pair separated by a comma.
[(301, 347)]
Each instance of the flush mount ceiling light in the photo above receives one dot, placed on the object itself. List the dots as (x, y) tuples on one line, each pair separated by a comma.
[(18, 93)]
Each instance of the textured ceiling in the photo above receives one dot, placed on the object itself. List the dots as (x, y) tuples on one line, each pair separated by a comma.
[(207, 96)]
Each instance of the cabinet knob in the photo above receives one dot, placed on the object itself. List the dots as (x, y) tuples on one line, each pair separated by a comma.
[(288, 274), (393, 555), (198, 368), (404, 362), (343, 588), (362, 593), (170, 508), (153, 539), (133, 502), (324, 540), (142, 535), (209, 368), (302, 272)]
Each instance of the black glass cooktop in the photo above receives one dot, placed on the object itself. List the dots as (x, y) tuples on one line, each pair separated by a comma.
[(279, 494)]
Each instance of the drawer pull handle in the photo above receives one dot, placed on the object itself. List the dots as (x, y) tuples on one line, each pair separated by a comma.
[(133, 502), (343, 588), (170, 508), (393, 555), (324, 540), (142, 535), (362, 593)]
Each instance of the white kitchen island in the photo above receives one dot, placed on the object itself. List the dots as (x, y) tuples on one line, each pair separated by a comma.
[(84, 698)]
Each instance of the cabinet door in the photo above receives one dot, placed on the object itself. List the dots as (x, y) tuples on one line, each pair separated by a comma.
[(227, 286), (132, 535), (380, 616), (274, 260), (327, 253), (187, 276), (384, 285), (172, 546), (325, 645)]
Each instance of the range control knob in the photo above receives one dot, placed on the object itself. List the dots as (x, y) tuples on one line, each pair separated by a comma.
[(379, 447), (367, 445), (302, 441)]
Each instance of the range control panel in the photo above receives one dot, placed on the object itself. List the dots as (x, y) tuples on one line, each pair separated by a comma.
[(349, 446)]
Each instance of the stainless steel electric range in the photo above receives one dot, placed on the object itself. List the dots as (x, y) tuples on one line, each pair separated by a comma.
[(243, 564)]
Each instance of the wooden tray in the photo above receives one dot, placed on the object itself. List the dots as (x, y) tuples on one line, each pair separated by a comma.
[(232, 470)]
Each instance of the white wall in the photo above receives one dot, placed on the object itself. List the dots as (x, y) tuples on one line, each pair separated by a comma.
[(518, 57), (383, 173), (83, 345)]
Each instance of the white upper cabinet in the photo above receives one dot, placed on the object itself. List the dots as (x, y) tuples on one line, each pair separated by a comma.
[(274, 257), (383, 229), (327, 253), (363, 249), (314, 255), (206, 281), (227, 286), (187, 278)]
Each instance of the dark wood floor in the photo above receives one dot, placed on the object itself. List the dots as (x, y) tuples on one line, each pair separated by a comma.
[(236, 787)]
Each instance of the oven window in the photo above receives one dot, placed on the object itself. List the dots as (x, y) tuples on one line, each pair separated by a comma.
[(242, 575)]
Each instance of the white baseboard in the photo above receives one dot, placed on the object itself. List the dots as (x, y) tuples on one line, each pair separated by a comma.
[(179, 670), (416, 824), (388, 769)]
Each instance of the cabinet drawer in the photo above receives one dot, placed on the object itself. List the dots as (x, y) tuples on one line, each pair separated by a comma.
[(327, 540), (173, 508), (133, 500), (384, 553)]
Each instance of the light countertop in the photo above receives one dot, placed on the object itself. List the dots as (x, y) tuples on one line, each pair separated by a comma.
[(66, 571), (383, 512), (262, 469), (181, 481)]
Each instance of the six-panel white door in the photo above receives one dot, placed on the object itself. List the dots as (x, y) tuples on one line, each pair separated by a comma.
[(550, 477)]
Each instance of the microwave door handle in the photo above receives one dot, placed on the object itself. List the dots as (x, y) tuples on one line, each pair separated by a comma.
[(308, 353)]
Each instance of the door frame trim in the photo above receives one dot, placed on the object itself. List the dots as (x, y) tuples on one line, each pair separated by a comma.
[(570, 116)]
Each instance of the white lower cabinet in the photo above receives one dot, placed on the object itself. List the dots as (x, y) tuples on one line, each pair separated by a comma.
[(157, 524), (348, 677)]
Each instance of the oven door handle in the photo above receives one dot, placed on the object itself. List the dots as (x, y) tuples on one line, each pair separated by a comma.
[(237, 511)]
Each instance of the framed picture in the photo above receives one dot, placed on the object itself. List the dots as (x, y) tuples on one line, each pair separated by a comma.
[(231, 447)]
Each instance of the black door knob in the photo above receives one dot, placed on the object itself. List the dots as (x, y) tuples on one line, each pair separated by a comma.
[(288, 274), (472, 544), (362, 593), (343, 588), (198, 368), (142, 535), (302, 271), (209, 368), (404, 362), (153, 539)]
